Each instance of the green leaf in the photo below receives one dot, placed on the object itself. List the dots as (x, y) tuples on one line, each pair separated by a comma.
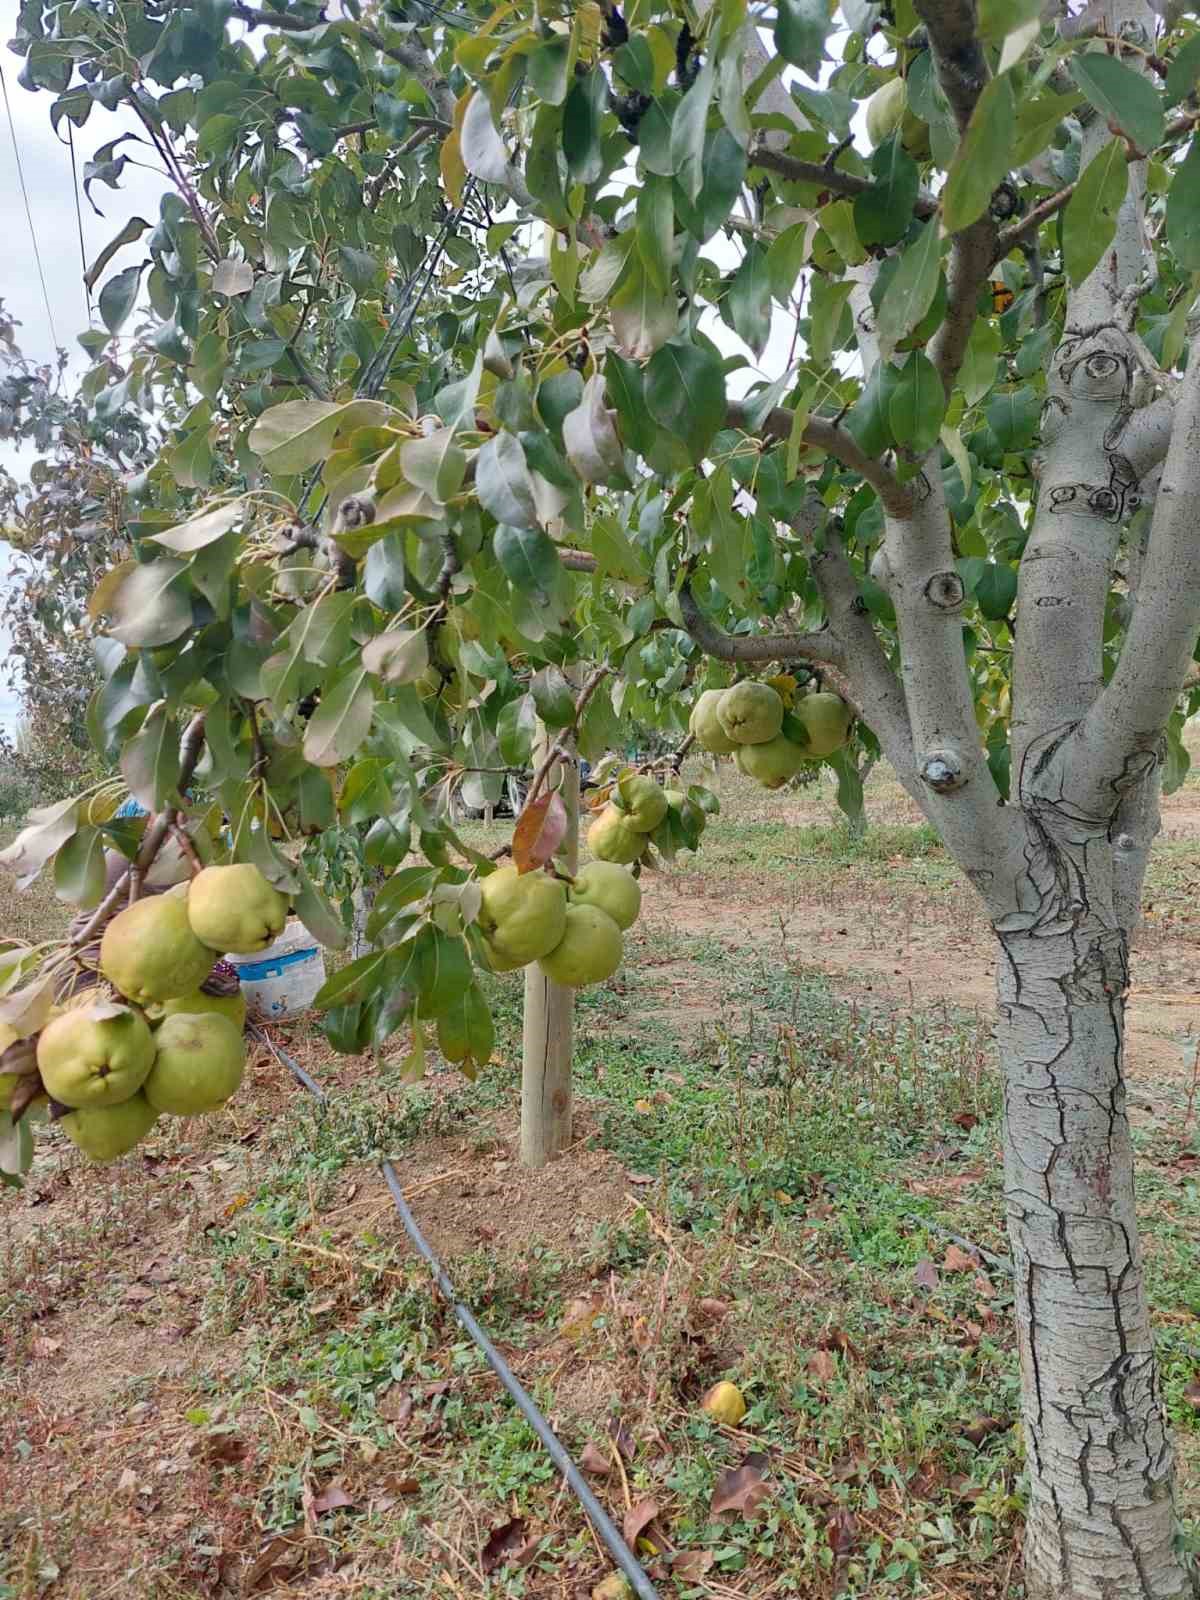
[(185, 538), (643, 316), (1183, 70), (656, 229), (133, 229), (355, 982), (1038, 119), (584, 107), (801, 27), (466, 1034), (1013, 418), (553, 697), (547, 68), (827, 301), (341, 721), (403, 888), (984, 156), (978, 372), (152, 605), (516, 727), (1183, 209), (503, 482), (996, 590), (1121, 96), (911, 291), (294, 436), (483, 152), (79, 873), (118, 297), (882, 213), (439, 971), (1089, 223), (748, 299), (388, 841), (685, 392), (688, 129), (150, 761), (435, 464), (530, 561), (917, 405), (312, 905), (400, 655)]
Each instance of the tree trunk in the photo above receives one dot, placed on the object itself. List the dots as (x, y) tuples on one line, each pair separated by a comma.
[(548, 1041), (1101, 1522)]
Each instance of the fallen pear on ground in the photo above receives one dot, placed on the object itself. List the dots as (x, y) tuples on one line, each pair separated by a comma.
[(150, 953), (521, 916), (725, 1403), (750, 712), (235, 910), (611, 888), (610, 838), (590, 949), (95, 1055), (198, 1064), (105, 1133)]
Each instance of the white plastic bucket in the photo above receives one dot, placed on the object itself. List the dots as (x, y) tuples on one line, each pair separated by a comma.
[(282, 980)]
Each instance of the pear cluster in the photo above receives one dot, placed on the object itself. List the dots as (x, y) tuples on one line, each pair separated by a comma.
[(770, 739), (160, 1045), (573, 930), (620, 832)]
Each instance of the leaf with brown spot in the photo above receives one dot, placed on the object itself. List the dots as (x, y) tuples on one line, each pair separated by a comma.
[(956, 1260), (925, 1275), (741, 1490), (503, 1543), (594, 1461), (540, 830)]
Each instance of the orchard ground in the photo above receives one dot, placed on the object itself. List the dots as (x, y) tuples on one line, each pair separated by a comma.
[(222, 1371)]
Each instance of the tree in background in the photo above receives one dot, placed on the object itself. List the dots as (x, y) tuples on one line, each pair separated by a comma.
[(411, 476)]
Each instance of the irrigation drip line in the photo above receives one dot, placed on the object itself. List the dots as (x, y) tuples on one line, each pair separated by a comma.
[(599, 1518)]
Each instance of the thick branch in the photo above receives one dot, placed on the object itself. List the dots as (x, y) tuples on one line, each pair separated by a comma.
[(821, 647), (962, 69), (1121, 732), (972, 254), (825, 435), (827, 177)]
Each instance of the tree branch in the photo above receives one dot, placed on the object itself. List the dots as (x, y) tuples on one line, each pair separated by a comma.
[(827, 177), (1122, 729), (560, 749), (972, 254), (958, 56), (821, 647), (824, 434)]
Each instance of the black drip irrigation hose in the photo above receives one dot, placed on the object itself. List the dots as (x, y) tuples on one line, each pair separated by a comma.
[(605, 1527)]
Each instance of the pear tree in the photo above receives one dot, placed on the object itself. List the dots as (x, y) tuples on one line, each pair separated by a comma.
[(429, 496)]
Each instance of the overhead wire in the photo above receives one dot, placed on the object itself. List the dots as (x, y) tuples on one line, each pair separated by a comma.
[(37, 254), (83, 264)]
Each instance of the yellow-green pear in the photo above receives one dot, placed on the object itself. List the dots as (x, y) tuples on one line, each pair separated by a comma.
[(885, 110), (95, 1055), (826, 718), (104, 1133), (234, 909), (750, 712), (521, 915), (232, 1006), (610, 838), (726, 1403), (641, 802), (149, 951), (198, 1063), (706, 725), (610, 887), (773, 763), (590, 950)]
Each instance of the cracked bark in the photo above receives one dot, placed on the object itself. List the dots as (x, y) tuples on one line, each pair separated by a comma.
[(1100, 1524)]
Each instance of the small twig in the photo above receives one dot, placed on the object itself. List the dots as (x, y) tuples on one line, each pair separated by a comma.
[(560, 749), (156, 833), (1001, 1262), (183, 839), (259, 764)]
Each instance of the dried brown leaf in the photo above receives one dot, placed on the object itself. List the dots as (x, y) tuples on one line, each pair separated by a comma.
[(741, 1490), (823, 1366), (332, 1498), (638, 1518), (621, 1437), (595, 1461), (956, 1260), (691, 1565), (1192, 1394), (925, 1275), (842, 1533), (540, 830), (503, 1543), (981, 1428)]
